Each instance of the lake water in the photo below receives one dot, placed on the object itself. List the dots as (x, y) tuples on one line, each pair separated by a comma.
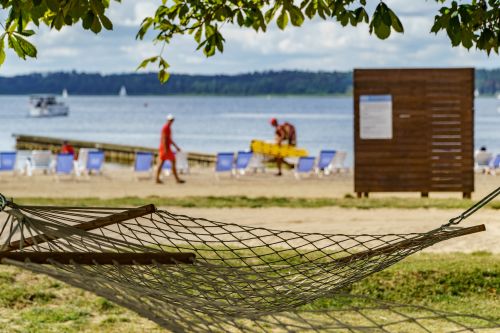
[(210, 124)]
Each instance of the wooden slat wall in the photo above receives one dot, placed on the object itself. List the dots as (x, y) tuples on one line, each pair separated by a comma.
[(433, 131)]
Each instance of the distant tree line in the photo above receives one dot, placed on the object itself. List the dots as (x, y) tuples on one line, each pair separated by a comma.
[(259, 83)]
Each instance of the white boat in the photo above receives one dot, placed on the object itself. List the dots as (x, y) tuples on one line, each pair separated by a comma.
[(47, 106), (64, 93), (123, 92)]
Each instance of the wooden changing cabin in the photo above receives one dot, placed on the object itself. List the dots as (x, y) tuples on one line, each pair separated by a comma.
[(414, 130)]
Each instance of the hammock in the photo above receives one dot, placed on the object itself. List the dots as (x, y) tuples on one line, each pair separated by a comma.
[(192, 274)]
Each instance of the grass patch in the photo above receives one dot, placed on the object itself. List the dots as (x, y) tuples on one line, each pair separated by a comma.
[(259, 202), (467, 283), (48, 315)]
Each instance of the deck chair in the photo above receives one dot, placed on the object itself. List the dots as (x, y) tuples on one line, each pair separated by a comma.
[(224, 163), (143, 164), (305, 165), (482, 160), (81, 162), (257, 163), (95, 161), (338, 161), (242, 162), (40, 160), (89, 160), (64, 165), (8, 161), (324, 161), (181, 161), (494, 165), (23, 158)]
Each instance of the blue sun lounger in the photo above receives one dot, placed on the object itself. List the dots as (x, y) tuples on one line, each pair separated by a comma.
[(95, 161), (495, 164), (143, 163), (242, 161), (7, 161), (324, 161), (224, 163), (64, 165), (305, 165)]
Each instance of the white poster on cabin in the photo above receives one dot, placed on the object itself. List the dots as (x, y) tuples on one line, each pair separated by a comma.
[(375, 117)]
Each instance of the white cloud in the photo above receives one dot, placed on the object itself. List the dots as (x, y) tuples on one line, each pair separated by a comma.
[(317, 45), (131, 13)]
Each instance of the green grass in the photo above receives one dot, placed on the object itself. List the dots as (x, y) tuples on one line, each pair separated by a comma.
[(259, 202), (467, 283)]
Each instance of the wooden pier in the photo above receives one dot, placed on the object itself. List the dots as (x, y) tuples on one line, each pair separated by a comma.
[(115, 153)]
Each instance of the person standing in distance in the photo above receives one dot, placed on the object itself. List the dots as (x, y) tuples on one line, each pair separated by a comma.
[(285, 133), (165, 152)]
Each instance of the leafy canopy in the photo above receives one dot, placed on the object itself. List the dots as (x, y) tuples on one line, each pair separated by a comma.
[(472, 23)]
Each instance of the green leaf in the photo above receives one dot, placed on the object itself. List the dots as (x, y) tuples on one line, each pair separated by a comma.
[(145, 25), (437, 25), (383, 31), (2, 52), (58, 21), (197, 35), (240, 19), (269, 15), (467, 39), (386, 18), (14, 44), (97, 7), (96, 25), (163, 63), (282, 20), (311, 10), (28, 48), (396, 23), (296, 16), (53, 5), (88, 20), (145, 62), (163, 76), (106, 23), (27, 33)]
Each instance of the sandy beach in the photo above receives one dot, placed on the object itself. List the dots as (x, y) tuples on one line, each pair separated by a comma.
[(202, 182), (121, 181)]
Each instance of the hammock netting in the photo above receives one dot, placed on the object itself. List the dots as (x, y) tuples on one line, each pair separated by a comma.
[(195, 275)]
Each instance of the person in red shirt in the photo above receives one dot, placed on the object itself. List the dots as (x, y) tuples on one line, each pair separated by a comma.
[(285, 133), (68, 149), (165, 152)]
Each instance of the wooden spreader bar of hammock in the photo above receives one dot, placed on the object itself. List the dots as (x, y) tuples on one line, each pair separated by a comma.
[(409, 243), (86, 258), (86, 226)]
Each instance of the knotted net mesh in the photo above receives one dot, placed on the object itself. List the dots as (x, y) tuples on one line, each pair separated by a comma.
[(195, 275)]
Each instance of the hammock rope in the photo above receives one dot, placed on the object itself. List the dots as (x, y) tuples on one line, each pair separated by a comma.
[(195, 275), (474, 208)]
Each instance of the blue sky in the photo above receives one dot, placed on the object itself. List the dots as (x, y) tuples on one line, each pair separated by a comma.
[(317, 45)]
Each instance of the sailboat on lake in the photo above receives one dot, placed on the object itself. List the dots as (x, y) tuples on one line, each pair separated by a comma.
[(123, 92)]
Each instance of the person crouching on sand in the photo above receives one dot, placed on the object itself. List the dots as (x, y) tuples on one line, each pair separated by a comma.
[(165, 152)]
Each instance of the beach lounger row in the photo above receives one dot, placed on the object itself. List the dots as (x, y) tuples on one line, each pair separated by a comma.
[(29, 162), (327, 162), (92, 161)]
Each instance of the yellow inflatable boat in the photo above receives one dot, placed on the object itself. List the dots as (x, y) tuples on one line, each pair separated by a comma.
[(269, 148)]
